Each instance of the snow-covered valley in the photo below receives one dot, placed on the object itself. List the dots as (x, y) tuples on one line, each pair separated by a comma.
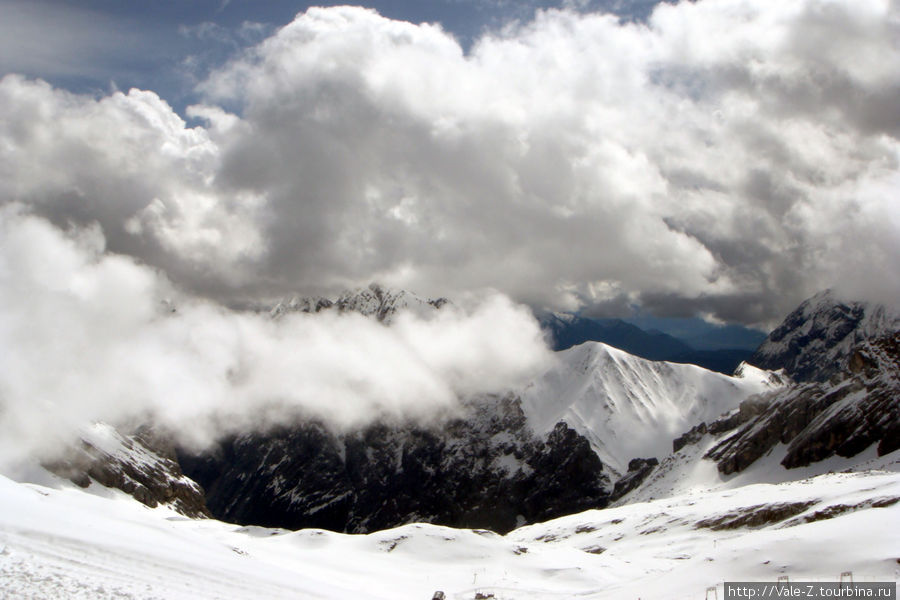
[(57, 541)]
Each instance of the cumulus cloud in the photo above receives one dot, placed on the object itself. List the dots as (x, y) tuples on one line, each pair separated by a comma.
[(725, 156), (90, 335)]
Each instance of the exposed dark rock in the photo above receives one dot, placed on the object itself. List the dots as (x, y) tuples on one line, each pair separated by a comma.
[(487, 470), (819, 420), (836, 510), (691, 437), (755, 516), (142, 465), (727, 422), (748, 409), (638, 470)]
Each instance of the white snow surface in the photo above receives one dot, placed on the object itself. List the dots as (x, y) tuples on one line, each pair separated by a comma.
[(629, 407), (57, 541)]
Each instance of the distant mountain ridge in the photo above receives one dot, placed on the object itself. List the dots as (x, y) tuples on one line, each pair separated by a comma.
[(701, 334), (374, 301), (566, 330), (569, 330)]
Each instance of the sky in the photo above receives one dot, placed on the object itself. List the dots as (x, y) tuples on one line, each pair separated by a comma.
[(718, 158), (92, 46)]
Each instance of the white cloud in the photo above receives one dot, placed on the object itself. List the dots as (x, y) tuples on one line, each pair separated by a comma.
[(86, 335), (128, 163), (711, 156)]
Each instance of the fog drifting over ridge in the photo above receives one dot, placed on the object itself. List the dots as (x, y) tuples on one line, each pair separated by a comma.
[(88, 335), (725, 157)]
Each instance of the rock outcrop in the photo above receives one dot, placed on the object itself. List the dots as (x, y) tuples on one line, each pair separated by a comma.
[(859, 407), (143, 465), (638, 471)]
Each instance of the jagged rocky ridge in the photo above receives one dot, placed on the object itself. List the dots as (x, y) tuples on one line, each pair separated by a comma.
[(856, 408), (143, 465), (846, 357), (485, 470), (859, 407), (375, 301)]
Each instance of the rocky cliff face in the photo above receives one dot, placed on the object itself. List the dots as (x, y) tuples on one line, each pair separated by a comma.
[(485, 470), (859, 407), (143, 465), (816, 340)]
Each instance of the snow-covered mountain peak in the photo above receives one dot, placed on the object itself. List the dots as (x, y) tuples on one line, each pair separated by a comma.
[(814, 342), (771, 379), (374, 301), (384, 303), (630, 407)]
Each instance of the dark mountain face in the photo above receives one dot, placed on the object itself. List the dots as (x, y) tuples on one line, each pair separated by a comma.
[(700, 334), (816, 340), (725, 337), (846, 356), (570, 330), (487, 470), (816, 420)]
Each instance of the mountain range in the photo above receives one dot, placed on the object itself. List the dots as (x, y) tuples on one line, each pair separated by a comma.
[(604, 459)]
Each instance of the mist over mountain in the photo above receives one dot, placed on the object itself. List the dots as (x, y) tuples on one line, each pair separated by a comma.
[(598, 428), (637, 418)]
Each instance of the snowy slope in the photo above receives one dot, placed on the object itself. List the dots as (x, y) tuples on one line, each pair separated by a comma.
[(687, 471), (60, 542), (629, 407)]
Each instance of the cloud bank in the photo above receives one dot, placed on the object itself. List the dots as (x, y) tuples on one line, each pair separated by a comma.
[(729, 157), (90, 335)]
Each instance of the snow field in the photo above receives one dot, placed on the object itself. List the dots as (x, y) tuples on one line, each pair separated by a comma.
[(62, 542)]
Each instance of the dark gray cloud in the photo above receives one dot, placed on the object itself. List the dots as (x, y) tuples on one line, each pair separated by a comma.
[(730, 158)]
